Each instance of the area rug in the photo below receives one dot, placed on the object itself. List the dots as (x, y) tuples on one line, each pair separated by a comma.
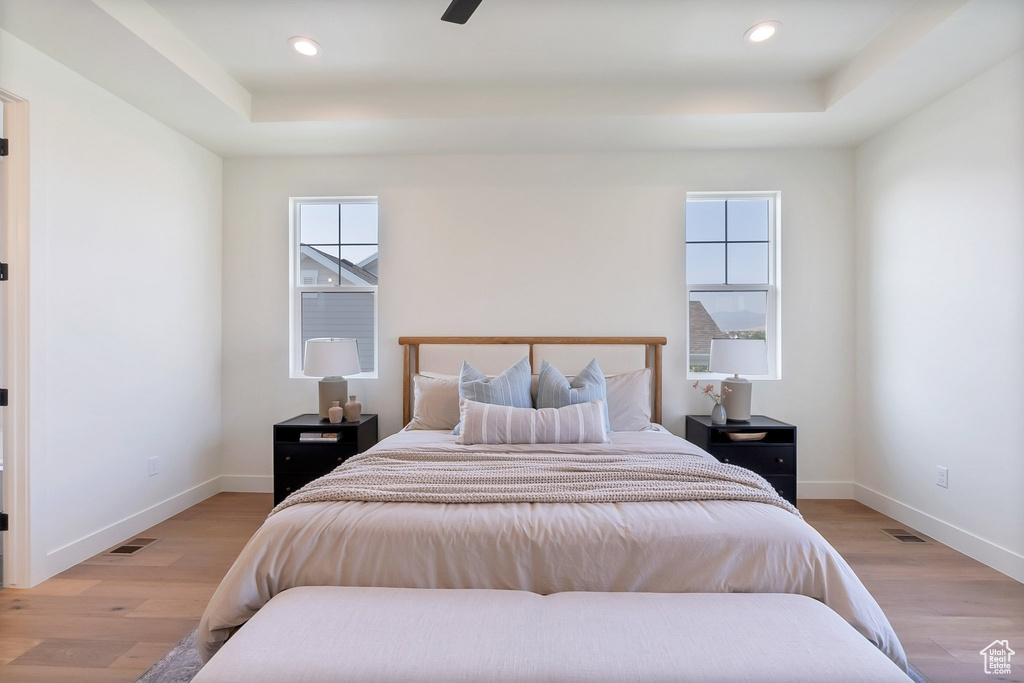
[(916, 675), (180, 665)]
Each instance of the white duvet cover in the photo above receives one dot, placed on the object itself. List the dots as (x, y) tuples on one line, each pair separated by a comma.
[(663, 546)]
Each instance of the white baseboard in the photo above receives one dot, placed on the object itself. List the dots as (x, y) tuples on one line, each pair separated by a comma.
[(824, 489), (71, 554), (247, 483), (986, 552)]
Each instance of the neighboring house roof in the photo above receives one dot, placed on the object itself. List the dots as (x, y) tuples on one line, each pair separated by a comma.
[(370, 264), (329, 261), (702, 329)]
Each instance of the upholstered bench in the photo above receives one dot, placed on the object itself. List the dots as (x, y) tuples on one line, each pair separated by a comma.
[(401, 634)]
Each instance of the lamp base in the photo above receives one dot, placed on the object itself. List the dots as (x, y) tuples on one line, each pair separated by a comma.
[(332, 389), (737, 399)]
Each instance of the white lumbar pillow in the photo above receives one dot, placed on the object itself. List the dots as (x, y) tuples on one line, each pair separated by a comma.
[(486, 423)]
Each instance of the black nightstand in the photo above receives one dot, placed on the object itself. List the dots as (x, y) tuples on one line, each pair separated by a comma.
[(773, 457), (298, 463)]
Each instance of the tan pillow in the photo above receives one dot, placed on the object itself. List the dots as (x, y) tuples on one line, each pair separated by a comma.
[(490, 424), (629, 400), (435, 402)]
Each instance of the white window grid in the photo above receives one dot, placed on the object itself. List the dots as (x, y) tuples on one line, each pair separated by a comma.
[(297, 290), (773, 290)]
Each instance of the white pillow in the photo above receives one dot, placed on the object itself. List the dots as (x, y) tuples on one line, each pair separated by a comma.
[(486, 423), (629, 401), (436, 402)]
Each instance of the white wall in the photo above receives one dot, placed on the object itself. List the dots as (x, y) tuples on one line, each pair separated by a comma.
[(541, 245), (125, 313), (940, 318)]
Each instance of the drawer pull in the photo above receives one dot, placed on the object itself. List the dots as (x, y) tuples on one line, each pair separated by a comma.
[(287, 488), (340, 459), (779, 460), (287, 458), (725, 459)]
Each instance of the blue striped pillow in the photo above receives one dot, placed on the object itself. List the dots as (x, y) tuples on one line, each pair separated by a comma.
[(510, 388), (555, 391)]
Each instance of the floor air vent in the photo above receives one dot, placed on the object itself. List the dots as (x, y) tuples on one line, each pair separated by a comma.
[(903, 536), (131, 547)]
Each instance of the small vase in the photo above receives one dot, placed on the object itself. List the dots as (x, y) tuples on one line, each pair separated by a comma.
[(335, 413), (353, 409), (718, 414)]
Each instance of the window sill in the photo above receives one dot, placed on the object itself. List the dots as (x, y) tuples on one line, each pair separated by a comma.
[(360, 376), (719, 376)]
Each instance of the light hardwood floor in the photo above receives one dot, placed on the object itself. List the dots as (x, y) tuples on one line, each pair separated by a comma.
[(110, 618), (944, 606)]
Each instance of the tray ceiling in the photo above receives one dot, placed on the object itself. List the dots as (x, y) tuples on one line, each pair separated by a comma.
[(523, 75)]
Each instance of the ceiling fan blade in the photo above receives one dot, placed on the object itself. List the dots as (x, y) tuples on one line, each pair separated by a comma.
[(459, 11)]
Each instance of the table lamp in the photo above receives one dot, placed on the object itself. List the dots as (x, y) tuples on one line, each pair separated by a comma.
[(330, 359), (735, 357)]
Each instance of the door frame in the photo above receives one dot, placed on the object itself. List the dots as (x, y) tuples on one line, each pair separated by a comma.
[(17, 556)]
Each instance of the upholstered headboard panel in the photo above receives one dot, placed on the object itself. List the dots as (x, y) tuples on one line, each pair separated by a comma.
[(614, 359), (491, 355), (490, 359)]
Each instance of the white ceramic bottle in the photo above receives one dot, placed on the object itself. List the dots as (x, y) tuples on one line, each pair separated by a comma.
[(353, 410)]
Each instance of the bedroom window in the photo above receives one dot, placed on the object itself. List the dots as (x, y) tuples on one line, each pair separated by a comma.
[(732, 274), (333, 275)]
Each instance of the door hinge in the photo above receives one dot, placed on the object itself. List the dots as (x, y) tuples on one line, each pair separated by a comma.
[(3, 521), (3, 398), (3, 147), (3, 272)]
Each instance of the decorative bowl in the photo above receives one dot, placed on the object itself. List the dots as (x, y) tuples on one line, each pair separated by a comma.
[(746, 436)]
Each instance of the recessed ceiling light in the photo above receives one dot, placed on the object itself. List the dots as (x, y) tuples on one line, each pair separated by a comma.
[(305, 46), (762, 32)]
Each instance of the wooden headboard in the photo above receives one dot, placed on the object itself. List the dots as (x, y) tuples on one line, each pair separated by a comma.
[(650, 347)]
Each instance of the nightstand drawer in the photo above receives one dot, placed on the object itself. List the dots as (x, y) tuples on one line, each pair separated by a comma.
[(785, 486), (285, 484), (320, 458), (764, 459)]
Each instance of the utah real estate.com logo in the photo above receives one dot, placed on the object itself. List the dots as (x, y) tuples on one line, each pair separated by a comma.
[(997, 657)]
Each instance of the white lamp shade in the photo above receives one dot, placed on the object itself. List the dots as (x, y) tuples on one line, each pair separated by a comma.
[(331, 357), (739, 356)]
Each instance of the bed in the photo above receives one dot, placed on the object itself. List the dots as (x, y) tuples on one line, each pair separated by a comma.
[(657, 545)]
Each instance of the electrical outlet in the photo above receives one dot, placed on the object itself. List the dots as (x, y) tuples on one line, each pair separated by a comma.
[(154, 465), (942, 476)]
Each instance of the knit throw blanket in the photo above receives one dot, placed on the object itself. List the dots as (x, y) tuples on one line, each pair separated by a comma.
[(440, 476)]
